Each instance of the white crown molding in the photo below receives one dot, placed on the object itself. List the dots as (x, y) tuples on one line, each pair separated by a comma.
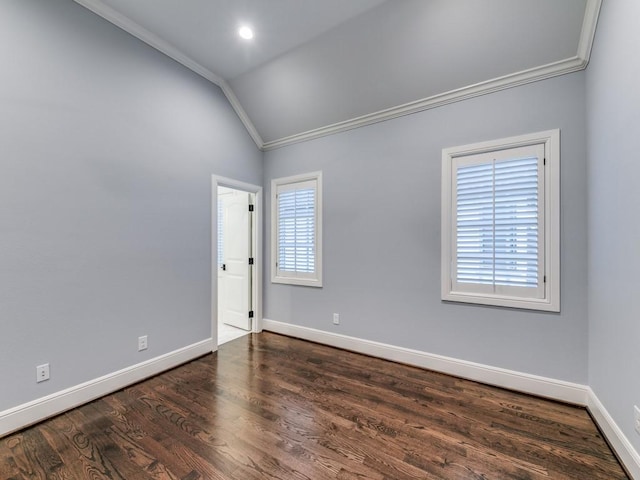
[(244, 118), (627, 455), (29, 413), (133, 28), (151, 39), (562, 67), (543, 72), (588, 33), (512, 380)]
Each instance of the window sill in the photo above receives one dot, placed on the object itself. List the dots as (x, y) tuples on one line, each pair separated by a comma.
[(547, 305), (306, 282)]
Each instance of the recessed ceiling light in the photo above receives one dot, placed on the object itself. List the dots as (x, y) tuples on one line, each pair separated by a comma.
[(245, 32)]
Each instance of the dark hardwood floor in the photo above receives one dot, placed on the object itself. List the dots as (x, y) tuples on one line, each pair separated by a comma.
[(270, 407)]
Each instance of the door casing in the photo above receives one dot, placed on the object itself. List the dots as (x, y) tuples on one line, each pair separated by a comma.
[(256, 280)]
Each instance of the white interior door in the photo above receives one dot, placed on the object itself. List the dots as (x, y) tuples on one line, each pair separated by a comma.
[(234, 279)]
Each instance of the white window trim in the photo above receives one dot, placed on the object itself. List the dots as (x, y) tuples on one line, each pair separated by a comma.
[(551, 299), (293, 279)]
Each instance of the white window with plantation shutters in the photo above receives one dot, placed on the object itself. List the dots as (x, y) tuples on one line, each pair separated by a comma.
[(297, 230), (500, 222)]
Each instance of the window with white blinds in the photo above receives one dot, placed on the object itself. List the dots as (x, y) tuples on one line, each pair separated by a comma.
[(500, 241), (296, 229)]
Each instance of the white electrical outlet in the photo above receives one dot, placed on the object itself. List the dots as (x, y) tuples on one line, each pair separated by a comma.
[(142, 343), (636, 418), (42, 372), (336, 319)]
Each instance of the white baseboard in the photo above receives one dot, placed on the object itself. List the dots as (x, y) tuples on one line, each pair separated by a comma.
[(29, 413), (627, 455), (523, 382), (500, 377)]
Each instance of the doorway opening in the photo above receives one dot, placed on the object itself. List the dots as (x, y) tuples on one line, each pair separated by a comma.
[(236, 263)]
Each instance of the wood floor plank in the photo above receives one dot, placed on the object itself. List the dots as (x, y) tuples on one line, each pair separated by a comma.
[(81, 448), (15, 461), (271, 407)]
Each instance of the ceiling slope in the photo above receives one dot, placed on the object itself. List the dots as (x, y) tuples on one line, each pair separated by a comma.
[(368, 62), (206, 30)]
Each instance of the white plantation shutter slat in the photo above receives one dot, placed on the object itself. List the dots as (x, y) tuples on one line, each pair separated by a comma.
[(496, 223), (516, 256), (296, 212), (474, 256)]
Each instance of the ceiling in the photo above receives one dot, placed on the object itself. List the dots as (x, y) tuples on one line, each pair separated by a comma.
[(316, 67)]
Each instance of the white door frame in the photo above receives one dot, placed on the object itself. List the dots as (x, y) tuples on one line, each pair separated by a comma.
[(256, 280)]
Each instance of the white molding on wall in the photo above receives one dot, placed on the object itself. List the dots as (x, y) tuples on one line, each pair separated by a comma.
[(562, 67), (35, 411), (581, 395), (588, 33), (627, 455), (555, 69), (22, 416), (500, 377), (151, 39), (244, 118)]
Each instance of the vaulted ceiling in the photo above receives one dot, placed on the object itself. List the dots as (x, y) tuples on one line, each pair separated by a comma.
[(317, 67)]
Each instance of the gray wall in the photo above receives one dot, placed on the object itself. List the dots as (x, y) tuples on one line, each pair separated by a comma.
[(613, 102), (382, 234), (107, 148)]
